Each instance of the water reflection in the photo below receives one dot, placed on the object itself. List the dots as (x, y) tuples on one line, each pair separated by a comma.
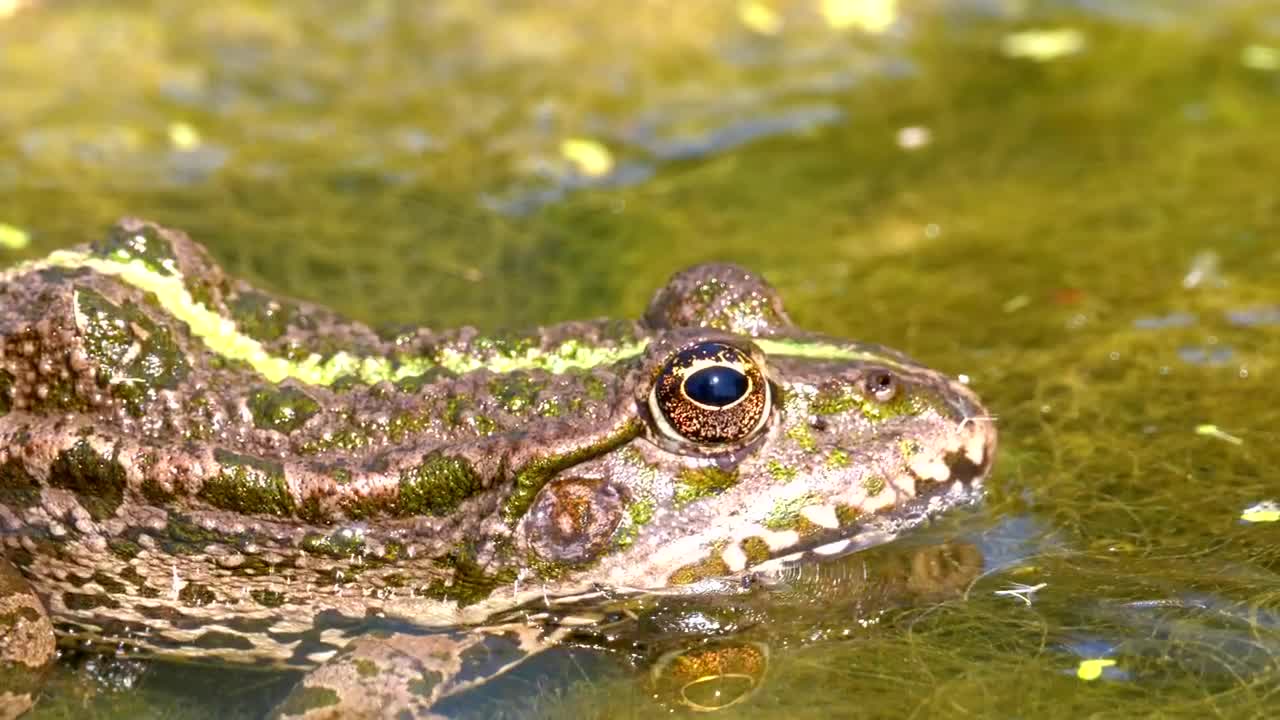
[(711, 653)]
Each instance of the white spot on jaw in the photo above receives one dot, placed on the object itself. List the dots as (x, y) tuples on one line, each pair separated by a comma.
[(930, 468), (734, 557), (821, 515), (975, 448), (834, 548), (779, 540), (904, 484)]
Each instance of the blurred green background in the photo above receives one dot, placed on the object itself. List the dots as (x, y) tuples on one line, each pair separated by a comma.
[(1074, 203)]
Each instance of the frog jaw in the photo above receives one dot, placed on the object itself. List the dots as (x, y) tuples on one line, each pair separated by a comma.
[(771, 527)]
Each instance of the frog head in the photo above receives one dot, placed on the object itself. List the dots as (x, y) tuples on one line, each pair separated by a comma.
[(744, 443)]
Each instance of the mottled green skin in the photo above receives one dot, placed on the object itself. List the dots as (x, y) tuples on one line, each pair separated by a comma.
[(26, 643), (157, 490)]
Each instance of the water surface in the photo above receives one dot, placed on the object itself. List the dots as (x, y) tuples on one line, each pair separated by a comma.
[(1072, 203)]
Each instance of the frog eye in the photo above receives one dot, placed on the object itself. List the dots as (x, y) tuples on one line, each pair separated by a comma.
[(712, 393), (881, 385)]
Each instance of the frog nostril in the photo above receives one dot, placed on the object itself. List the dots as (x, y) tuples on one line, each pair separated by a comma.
[(881, 385)]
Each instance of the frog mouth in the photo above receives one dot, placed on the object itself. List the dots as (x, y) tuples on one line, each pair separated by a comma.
[(932, 482), (963, 486), (953, 479), (884, 527)]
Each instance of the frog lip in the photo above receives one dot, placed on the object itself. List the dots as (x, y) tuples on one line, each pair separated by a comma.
[(971, 454), (877, 530), (954, 477), (972, 462), (946, 472)]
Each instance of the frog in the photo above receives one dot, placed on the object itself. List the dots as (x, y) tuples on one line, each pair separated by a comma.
[(194, 468)]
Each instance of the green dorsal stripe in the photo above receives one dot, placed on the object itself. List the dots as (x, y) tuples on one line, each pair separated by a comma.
[(223, 338), (821, 351)]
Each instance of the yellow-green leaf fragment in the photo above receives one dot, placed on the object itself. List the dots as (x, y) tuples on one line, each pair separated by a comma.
[(873, 16), (1015, 303), (1265, 511), (588, 156), (1092, 669), (1260, 57), (1042, 45), (183, 136), (1209, 430), (759, 17), (13, 238)]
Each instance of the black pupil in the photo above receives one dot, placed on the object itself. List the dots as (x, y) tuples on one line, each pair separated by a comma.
[(716, 386)]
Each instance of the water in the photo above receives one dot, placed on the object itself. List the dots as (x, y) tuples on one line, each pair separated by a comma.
[(1090, 236)]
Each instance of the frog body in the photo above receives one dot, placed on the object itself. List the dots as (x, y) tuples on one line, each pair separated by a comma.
[(194, 467)]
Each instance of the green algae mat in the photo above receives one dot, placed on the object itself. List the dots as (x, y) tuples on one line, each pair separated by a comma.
[(1072, 203)]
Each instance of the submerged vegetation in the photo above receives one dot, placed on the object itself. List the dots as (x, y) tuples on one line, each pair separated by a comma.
[(1070, 203)]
